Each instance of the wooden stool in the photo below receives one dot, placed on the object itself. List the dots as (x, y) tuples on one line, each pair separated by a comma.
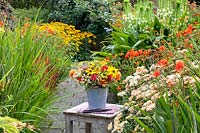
[(75, 114)]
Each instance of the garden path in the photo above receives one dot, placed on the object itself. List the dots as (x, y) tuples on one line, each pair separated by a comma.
[(74, 94)]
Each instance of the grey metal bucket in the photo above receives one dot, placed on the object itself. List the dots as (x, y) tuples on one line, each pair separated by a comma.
[(97, 98)]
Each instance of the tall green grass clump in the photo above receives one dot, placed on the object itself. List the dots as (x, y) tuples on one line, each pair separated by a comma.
[(30, 63)]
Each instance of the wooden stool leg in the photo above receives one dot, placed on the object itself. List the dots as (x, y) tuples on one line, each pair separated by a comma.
[(88, 127), (68, 124)]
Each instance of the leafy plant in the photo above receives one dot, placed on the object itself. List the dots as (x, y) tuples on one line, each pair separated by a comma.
[(26, 3), (148, 23), (92, 16), (30, 13), (165, 96), (32, 65), (180, 116), (11, 125)]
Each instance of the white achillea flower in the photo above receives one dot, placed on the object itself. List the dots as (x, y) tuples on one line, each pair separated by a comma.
[(141, 70), (121, 94), (188, 80), (133, 82), (136, 92), (195, 64), (172, 80)]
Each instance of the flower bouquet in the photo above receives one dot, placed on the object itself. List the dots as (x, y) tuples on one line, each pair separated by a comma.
[(96, 76), (95, 73)]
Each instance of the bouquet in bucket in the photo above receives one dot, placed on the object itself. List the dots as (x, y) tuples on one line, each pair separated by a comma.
[(95, 73)]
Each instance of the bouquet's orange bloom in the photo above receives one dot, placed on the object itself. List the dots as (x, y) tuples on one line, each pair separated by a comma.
[(71, 73), (118, 76)]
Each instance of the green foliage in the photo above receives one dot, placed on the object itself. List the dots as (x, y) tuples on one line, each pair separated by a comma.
[(148, 23), (181, 116), (31, 13), (11, 125), (92, 16), (26, 3), (29, 66)]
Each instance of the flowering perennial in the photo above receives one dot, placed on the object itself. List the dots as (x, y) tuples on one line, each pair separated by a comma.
[(67, 33), (144, 87)]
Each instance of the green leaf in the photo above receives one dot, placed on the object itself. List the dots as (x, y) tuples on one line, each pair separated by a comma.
[(104, 54), (143, 125), (138, 42), (197, 116), (120, 38)]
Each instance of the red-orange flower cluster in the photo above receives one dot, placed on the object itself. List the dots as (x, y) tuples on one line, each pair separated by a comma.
[(161, 48), (156, 73), (1, 23), (179, 65), (186, 32), (162, 62), (131, 54)]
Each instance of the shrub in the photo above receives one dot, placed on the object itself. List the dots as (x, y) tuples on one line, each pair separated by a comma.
[(26, 4), (92, 16), (30, 13)]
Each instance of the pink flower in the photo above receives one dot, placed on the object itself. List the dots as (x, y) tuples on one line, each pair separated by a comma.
[(93, 77), (104, 68)]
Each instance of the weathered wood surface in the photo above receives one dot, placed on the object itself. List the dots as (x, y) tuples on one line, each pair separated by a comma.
[(77, 111), (75, 114)]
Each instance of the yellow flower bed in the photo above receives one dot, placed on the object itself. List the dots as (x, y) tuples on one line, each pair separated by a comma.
[(71, 37)]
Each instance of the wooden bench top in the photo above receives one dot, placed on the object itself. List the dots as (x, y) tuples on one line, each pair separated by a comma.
[(77, 111)]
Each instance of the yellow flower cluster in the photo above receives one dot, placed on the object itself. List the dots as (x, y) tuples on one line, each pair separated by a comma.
[(96, 73), (71, 37)]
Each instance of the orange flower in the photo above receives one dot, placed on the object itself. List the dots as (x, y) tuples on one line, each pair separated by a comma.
[(1, 23), (71, 73), (49, 30), (107, 59), (118, 76), (162, 62), (140, 52), (156, 73), (179, 65), (147, 52), (26, 25), (179, 34), (119, 88), (188, 30), (191, 46), (103, 82), (161, 48)]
